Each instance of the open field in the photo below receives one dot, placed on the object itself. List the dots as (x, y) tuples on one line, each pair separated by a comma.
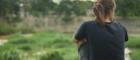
[(51, 46)]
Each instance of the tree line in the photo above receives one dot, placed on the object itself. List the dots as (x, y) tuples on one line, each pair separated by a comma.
[(12, 8)]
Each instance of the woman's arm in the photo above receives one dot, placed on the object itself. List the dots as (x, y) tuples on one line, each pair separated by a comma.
[(79, 42), (80, 34)]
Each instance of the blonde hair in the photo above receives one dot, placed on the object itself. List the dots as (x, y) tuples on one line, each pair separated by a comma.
[(104, 9)]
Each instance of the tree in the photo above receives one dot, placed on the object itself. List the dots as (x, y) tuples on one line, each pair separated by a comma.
[(128, 8), (8, 7), (9, 10), (42, 7), (69, 8), (76, 7)]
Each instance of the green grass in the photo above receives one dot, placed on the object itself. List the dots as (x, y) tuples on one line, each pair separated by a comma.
[(134, 44), (135, 55), (134, 41), (51, 42), (43, 45), (5, 29)]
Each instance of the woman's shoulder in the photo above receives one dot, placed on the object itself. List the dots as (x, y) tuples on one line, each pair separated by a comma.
[(119, 24)]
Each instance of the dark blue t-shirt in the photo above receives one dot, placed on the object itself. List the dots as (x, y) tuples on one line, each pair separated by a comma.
[(103, 42)]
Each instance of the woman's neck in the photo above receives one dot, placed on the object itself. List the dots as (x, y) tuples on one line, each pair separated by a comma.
[(107, 20)]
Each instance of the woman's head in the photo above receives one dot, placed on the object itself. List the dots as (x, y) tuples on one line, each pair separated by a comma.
[(104, 9)]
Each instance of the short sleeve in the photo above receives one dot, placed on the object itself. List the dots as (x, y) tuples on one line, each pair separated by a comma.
[(126, 34), (80, 33)]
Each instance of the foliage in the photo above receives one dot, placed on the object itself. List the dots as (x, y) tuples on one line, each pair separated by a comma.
[(66, 7), (8, 7), (124, 7), (128, 8), (41, 7), (51, 44), (69, 8), (59, 47), (8, 53), (9, 10), (54, 44)]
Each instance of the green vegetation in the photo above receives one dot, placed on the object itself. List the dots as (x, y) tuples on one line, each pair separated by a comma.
[(134, 45), (135, 55), (11, 11), (127, 8), (43, 7), (134, 41), (4, 29), (45, 45), (39, 46)]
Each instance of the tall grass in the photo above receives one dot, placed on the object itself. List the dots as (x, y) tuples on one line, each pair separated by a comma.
[(59, 45), (45, 45)]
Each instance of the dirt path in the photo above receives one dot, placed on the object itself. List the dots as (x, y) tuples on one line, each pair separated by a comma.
[(2, 41)]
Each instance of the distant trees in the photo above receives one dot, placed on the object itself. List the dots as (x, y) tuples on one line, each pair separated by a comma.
[(67, 7), (9, 9), (41, 7), (128, 8), (74, 7)]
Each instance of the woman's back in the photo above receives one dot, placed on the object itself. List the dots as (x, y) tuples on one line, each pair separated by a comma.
[(103, 42), (100, 40)]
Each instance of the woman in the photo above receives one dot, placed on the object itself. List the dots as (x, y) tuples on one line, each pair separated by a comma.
[(104, 38)]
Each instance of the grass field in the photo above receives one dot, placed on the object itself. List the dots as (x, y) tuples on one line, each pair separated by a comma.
[(134, 45), (50, 46), (39, 46)]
